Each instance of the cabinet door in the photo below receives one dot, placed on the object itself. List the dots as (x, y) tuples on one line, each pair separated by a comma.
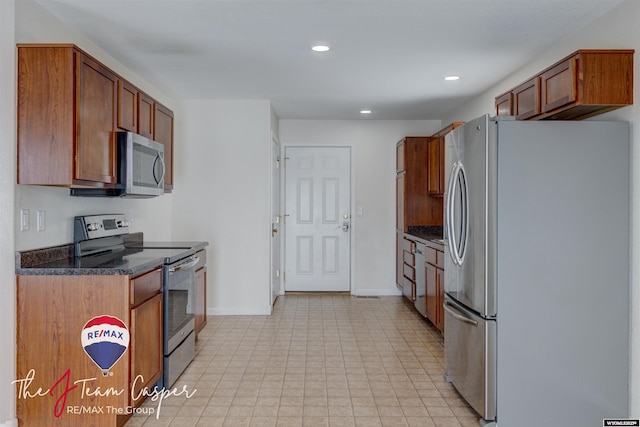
[(146, 345), (435, 180), (200, 299), (440, 299), (400, 156), (504, 104), (526, 99), (127, 106), (431, 292), (559, 85), (145, 115), (97, 89), (400, 201), (163, 133), (399, 258)]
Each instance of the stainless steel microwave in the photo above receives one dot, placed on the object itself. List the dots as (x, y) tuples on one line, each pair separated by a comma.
[(141, 165), (140, 170)]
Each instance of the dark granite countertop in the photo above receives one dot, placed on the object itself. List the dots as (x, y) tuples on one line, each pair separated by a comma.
[(131, 261), (430, 235)]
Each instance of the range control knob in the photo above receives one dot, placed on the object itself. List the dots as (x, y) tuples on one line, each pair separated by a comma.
[(122, 224), (92, 227)]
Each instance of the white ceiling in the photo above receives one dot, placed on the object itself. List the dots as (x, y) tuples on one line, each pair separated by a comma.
[(387, 55)]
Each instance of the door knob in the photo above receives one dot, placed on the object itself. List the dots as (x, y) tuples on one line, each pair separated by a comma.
[(274, 230)]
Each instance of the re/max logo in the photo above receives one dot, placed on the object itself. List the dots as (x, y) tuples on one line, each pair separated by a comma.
[(620, 422), (105, 333)]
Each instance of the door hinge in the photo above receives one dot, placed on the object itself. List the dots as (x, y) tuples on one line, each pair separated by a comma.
[(285, 161), (277, 163), (278, 273)]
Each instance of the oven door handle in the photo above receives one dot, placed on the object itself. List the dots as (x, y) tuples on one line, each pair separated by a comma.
[(185, 265)]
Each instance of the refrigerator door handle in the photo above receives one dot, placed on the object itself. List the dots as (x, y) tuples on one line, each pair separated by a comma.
[(449, 214), (458, 248), (449, 308)]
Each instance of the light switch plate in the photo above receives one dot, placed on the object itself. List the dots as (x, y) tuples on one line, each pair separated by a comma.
[(24, 219), (41, 220)]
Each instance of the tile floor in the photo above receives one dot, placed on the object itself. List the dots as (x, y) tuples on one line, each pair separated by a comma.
[(318, 360)]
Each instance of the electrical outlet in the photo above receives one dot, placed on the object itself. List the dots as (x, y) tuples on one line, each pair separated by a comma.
[(41, 220), (24, 219)]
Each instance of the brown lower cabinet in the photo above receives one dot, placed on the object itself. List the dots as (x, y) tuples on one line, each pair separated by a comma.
[(57, 382), (434, 274), (200, 293)]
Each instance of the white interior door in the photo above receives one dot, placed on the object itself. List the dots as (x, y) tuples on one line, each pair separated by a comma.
[(318, 219), (275, 219)]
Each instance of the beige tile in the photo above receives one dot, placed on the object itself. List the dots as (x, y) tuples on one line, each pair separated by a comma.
[(263, 421), (368, 422), (339, 421), (318, 360)]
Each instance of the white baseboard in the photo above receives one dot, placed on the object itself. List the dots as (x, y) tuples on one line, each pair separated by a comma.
[(377, 292), (10, 423), (238, 311)]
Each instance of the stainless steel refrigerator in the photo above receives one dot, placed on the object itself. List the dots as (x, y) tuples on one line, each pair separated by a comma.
[(537, 270)]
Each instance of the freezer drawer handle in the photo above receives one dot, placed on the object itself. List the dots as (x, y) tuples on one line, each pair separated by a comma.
[(449, 309)]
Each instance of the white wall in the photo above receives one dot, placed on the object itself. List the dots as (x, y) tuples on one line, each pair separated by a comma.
[(617, 30), (224, 172), (7, 180), (373, 154), (33, 24)]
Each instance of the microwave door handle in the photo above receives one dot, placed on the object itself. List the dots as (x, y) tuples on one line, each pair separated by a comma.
[(158, 157)]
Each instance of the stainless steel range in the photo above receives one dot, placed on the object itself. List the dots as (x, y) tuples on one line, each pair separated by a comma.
[(101, 240)]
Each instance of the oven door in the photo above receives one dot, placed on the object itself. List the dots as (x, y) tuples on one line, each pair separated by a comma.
[(179, 316)]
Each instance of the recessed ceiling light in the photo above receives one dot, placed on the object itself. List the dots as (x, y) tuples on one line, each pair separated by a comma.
[(452, 78), (320, 48), (365, 111)]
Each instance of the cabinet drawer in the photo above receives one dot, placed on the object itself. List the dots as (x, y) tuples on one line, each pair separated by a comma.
[(145, 286), (409, 258), (409, 272), (408, 245), (430, 255)]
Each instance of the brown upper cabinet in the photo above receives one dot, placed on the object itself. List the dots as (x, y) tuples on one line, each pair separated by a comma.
[(584, 84), (435, 178), (70, 107), (127, 106), (145, 114), (66, 117), (414, 207), (163, 133)]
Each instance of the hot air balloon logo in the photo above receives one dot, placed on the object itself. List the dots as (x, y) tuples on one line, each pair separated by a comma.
[(105, 339)]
